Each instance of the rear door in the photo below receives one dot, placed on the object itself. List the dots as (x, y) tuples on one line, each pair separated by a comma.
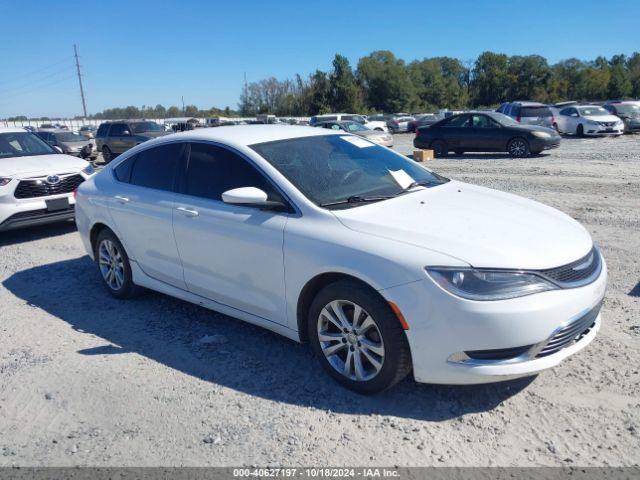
[(142, 209), (456, 132)]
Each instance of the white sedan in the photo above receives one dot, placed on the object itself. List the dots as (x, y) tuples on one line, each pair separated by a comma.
[(383, 266), (36, 181), (584, 120)]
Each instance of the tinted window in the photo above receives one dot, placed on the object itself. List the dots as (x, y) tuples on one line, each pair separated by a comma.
[(514, 111), (457, 121), (536, 112), (156, 167), (123, 170), (117, 129), (565, 111), (212, 170), (102, 130), (46, 136)]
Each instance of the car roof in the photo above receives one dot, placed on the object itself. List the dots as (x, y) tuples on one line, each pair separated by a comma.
[(12, 130), (245, 135)]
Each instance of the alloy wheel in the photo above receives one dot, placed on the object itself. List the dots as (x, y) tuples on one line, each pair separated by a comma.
[(350, 340), (111, 264), (518, 148)]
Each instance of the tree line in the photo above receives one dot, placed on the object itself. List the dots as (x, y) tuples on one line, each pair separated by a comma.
[(383, 83)]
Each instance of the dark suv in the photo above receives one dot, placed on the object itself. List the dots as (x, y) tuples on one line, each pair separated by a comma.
[(114, 138)]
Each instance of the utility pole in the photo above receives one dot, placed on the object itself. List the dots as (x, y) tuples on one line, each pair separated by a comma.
[(84, 105), (182, 105)]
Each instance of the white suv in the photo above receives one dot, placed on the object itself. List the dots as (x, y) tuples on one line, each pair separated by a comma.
[(36, 182)]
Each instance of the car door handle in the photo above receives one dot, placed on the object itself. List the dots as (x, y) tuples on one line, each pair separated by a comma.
[(122, 199), (189, 212)]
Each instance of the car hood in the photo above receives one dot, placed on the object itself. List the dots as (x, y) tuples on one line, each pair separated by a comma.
[(482, 227), (40, 164), (601, 118)]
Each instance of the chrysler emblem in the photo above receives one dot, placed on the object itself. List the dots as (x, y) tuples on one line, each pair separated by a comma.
[(53, 179)]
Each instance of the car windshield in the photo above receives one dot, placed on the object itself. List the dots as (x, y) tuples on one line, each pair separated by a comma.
[(141, 127), (84, 129), (23, 144), (627, 108), (354, 127), (336, 168), (502, 119), (593, 111), (69, 137)]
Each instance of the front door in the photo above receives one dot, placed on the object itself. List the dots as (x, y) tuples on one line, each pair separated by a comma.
[(230, 254)]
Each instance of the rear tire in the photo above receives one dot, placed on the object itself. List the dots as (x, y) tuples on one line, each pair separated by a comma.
[(113, 264), (357, 338), (518, 147), (107, 155), (439, 148)]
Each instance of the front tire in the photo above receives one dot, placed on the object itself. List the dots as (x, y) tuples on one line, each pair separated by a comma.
[(580, 131), (518, 147), (113, 264), (357, 338)]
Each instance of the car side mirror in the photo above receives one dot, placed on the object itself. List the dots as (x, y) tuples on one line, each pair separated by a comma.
[(251, 197), (57, 149), (126, 133)]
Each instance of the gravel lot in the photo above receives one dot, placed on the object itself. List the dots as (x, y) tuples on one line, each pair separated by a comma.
[(89, 380)]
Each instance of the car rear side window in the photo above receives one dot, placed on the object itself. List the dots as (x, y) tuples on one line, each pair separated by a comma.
[(156, 167), (213, 170), (536, 112), (123, 170)]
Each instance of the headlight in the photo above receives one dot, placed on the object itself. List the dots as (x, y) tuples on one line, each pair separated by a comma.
[(89, 170), (4, 181), (484, 284), (540, 134)]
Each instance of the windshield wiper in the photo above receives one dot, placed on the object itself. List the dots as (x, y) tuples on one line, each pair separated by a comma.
[(356, 199), (419, 183)]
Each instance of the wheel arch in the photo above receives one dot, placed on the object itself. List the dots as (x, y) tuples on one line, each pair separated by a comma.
[(95, 230), (312, 288)]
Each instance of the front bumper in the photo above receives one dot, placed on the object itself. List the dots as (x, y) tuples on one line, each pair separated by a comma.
[(441, 326), (601, 130), (30, 218)]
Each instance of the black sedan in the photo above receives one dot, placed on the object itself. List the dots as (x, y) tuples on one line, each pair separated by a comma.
[(485, 132)]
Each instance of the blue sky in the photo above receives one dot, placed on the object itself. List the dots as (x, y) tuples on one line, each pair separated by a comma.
[(150, 52)]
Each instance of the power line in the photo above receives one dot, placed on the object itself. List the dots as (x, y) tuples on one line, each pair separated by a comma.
[(37, 81), (39, 87), (33, 72)]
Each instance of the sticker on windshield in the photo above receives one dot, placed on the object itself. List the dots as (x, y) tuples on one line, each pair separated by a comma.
[(357, 141), (402, 178)]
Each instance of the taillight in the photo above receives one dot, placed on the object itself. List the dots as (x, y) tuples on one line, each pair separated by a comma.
[(75, 193), (518, 119)]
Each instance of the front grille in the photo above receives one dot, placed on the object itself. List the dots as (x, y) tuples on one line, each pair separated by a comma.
[(41, 188), (571, 333), (576, 273)]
